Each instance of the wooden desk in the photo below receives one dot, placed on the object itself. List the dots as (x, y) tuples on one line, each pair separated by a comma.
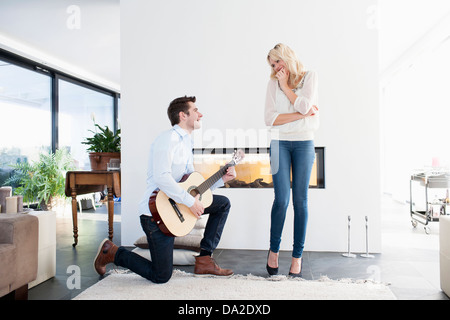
[(82, 182)]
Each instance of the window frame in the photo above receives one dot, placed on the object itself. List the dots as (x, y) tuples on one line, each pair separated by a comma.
[(55, 76)]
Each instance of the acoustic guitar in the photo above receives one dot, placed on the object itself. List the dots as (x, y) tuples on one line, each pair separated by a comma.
[(176, 219)]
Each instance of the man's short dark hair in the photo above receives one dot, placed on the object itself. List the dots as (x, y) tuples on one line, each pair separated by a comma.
[(178, 105)]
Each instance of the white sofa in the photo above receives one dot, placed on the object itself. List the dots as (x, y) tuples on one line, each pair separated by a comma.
[(46, 246), (444, 253)]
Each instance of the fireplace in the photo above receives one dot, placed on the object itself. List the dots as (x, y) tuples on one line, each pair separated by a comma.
[(254, 170)]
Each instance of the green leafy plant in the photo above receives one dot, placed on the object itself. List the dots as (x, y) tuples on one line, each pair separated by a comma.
[(42, 180), (104, 140)]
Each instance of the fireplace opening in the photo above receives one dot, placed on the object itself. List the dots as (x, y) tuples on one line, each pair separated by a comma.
[(254, 171)]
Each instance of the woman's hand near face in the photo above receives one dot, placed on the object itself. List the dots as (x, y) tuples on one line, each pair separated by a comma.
[(283, 76)]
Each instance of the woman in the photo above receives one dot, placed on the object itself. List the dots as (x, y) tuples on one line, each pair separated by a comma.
[(291, 111)]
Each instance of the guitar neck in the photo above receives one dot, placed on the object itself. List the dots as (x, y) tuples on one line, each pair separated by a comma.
[(208, 183)]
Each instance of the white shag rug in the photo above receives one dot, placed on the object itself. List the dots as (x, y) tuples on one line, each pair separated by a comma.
[(186, 286)]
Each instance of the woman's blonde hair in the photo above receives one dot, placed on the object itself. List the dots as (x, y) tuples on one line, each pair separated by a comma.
[(295, 67)]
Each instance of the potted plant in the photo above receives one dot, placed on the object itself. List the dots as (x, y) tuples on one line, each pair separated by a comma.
[(104, 146), (42, 182)]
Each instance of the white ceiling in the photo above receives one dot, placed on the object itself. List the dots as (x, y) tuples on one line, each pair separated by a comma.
[(43, 30), (38, 28), (403, 22)]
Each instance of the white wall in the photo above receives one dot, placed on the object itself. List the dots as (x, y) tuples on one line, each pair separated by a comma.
[(216, 50)]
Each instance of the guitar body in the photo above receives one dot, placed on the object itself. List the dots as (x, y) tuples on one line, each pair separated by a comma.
[(176, 219)]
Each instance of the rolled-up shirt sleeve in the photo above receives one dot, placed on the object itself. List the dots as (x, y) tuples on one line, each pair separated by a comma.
[(307, 93), (270, 113)]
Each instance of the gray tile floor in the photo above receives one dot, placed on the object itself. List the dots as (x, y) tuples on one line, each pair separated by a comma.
[(409, 261)]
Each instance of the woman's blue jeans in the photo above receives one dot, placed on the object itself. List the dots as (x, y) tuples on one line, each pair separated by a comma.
[(298, 157), (159, 270)]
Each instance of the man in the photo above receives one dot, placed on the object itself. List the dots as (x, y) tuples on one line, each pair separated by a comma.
[(170, 159)]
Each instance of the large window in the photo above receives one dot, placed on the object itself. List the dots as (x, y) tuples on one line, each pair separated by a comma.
[(25, 116), (78, 107), (42, 109)]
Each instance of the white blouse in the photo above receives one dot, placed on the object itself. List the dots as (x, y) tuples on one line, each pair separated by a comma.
[(278, 103)]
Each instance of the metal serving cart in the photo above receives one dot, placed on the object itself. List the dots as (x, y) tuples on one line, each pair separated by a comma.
[(433, 207)]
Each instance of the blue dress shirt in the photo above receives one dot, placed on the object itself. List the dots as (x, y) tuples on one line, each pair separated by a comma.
[(170, 159)]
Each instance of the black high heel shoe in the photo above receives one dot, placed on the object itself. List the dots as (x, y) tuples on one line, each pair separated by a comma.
[(270, 270), (297, 275)]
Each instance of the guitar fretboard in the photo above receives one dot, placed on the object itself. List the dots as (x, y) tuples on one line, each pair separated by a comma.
[(213, 179)]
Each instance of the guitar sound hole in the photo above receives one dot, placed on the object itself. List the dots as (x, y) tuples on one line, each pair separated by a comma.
[(194, 192)]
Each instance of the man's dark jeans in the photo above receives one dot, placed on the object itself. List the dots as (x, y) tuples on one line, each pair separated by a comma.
[(159, 270)]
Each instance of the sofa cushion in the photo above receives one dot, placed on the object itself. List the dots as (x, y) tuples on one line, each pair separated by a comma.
[(21, 231), (8, 255), (6, 229), (190, 241), (180, 257), (187, 242)]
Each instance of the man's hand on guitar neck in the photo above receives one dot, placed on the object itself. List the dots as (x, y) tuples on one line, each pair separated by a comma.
[(197, 209), (230, 175)]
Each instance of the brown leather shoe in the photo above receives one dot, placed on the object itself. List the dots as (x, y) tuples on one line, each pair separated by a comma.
[(106, 253), (207, 266)]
